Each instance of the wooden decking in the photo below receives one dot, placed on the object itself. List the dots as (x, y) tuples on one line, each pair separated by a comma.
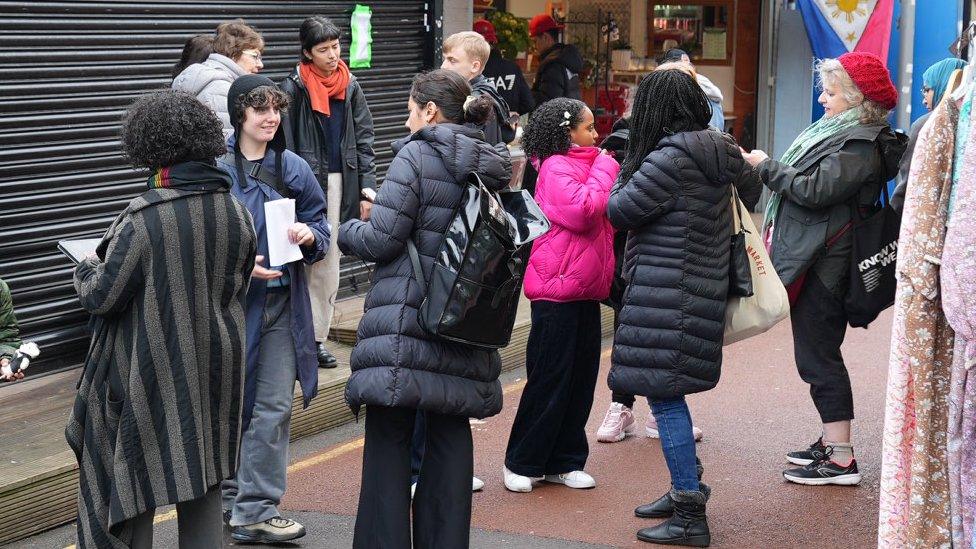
[(38, 473)]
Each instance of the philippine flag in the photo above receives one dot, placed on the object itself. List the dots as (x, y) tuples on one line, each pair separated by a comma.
[(836, 27)]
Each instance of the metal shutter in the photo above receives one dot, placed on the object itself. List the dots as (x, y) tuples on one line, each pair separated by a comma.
[(67, 72)]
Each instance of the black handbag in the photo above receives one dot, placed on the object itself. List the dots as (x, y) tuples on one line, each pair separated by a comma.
[(475, 285), (740, 272), (874, 253)]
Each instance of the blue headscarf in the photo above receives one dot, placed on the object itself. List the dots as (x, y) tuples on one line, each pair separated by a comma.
[(937, 77)]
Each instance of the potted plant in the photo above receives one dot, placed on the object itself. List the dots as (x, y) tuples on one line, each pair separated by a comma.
[(512, 31)]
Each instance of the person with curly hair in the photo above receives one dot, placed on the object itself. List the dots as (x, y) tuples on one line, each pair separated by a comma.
[(237, 49), (157, 417), (569, 272), (280, 334)]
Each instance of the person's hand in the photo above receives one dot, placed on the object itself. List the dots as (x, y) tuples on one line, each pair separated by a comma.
[(755, 157), (4, 362), (300, 234), (263, 273), (365, 209)]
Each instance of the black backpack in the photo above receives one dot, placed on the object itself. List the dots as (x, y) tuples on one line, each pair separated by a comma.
[(473, 293)]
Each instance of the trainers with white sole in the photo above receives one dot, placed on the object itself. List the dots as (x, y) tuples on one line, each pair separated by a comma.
[(617, 424), (516, 483), (273, 530), (652, 432), (573, 479), (477, 484)]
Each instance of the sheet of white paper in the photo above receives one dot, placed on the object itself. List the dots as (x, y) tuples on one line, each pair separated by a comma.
[(278, 216)]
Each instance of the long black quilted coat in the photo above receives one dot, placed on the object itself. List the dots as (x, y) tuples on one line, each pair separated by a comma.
[(395, 363), (676, 208)]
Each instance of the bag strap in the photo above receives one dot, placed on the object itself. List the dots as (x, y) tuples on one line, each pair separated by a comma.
[(259, 172), (737, 227)]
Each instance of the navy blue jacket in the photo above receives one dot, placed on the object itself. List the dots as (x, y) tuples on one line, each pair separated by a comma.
[(309, 209)]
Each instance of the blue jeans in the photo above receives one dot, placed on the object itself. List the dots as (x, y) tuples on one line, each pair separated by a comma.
[(677, 442)]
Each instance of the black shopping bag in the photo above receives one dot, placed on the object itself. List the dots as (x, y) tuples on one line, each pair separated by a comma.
[(873, 258)]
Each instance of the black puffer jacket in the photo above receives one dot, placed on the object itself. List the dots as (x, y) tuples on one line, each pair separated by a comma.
[(395, 363), (558, 74), (677, 209)]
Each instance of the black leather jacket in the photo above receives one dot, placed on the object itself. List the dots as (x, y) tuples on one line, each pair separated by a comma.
[(303, 134)]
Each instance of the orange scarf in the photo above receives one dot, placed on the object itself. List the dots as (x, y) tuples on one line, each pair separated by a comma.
[(321, 88)]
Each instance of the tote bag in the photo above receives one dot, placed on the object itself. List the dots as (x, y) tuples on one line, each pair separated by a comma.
[(750, 316), (873, 257)]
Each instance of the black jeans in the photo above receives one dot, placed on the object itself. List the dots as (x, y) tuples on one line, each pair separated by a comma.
[(442, 504), (562, 360), (819, 326)]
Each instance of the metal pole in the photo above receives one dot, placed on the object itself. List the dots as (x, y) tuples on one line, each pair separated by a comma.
[(906, 54)]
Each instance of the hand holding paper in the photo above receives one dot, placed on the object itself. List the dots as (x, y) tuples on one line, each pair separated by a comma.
[(279, 219)]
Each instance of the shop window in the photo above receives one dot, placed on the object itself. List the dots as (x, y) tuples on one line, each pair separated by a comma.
[(703, 28)]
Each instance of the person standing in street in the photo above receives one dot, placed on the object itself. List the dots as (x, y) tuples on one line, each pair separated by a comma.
[(559, 64), (504, 74), (674, 197), (280, 336), (466, 54), (157, 417), (838, 163), (237, 50), (330, 126), (398, 368), (569, 272)]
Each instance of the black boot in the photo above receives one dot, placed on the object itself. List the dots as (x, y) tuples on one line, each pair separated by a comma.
[(325, 358), (688, 526), (663, 507)]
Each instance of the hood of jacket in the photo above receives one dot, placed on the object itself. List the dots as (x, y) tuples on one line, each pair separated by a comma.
[(464, 152), (481, 85), (711, 90), (564, 54), (713, 152), (198, 76)]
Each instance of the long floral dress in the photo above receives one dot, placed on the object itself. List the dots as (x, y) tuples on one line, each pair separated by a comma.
[(914, 507), (959, 302)]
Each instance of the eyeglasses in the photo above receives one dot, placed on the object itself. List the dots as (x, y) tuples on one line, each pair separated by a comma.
[(926, 89), (254, 54)]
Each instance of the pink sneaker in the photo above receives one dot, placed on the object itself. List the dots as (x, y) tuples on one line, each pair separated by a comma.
[(617, 424), (651, 429)]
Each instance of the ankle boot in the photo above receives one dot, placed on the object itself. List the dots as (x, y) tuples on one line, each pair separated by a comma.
[(688, 526), (663, 507)]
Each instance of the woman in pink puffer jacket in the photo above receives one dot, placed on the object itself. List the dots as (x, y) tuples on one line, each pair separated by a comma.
[(569, 272)]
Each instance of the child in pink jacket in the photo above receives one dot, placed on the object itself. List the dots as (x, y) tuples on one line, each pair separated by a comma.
[(569, 272)]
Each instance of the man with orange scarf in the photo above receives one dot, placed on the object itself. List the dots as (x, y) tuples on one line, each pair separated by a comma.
[(330, 126)]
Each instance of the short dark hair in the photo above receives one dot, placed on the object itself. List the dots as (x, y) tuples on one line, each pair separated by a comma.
[(315, 30), (169, 127), (547, 132), (449, 91), (196, 50), (259, 97), (233, 37)]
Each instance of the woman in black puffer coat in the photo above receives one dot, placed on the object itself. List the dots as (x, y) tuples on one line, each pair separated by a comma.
[(673, 196), (397, 368)]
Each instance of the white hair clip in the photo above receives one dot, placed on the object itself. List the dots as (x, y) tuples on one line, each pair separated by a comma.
[(566, 117), (468, 101)]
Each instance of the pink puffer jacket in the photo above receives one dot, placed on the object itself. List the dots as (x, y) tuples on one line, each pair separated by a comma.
[(574, 260)]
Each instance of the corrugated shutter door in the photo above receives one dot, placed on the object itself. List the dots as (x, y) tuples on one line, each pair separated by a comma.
[(67, 72)]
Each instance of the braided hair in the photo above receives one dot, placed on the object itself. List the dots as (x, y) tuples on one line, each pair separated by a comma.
[(667, 102), (547, 132)]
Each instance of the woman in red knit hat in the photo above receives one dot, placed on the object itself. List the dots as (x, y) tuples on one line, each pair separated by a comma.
[(838, 162)]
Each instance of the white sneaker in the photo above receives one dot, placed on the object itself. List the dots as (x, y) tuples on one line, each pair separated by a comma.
[(574, 479), (477, 484), (652, 432), (516, 483)]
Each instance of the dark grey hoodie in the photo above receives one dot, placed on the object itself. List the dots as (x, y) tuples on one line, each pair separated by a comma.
[(558, 74)]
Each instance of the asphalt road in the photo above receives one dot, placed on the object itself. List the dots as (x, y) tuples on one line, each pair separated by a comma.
[(759, 411)]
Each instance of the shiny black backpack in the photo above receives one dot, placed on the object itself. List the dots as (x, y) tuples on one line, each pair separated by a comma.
[(475, 284)]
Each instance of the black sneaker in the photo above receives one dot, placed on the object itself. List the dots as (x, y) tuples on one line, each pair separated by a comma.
[(816, 452), (824, 471)]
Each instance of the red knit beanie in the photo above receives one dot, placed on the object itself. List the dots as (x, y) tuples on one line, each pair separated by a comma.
[(871, 77)]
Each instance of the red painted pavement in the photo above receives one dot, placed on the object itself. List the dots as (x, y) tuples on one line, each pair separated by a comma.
[(759, 411)]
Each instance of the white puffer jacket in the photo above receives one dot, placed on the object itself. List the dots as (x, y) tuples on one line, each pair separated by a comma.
[(209, 82)]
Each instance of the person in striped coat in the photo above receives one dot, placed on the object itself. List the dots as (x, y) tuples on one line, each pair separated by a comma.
[(157, 417)]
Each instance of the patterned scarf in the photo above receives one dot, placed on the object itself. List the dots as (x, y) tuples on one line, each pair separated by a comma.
[(160, 179), (809, 138)]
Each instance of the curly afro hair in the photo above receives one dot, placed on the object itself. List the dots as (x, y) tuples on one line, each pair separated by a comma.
[(168, 127), (547, 132)]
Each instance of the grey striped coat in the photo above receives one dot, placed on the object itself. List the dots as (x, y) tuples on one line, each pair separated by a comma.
[(156, 418)]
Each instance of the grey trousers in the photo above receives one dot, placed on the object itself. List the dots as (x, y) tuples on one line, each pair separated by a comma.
[(323, 276), (254, 493), (198, 523)]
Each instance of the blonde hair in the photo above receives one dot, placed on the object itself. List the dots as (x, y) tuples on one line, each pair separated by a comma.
[(473, 44), (831, 71)]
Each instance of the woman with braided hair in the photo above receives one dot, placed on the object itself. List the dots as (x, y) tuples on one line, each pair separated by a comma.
[(673, 196), (570, 270)]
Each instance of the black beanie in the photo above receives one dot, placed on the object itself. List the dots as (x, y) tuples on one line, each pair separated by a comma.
[(242, 86)]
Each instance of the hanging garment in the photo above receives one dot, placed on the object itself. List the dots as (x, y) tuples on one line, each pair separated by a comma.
[(914, 506), (958, 276)]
